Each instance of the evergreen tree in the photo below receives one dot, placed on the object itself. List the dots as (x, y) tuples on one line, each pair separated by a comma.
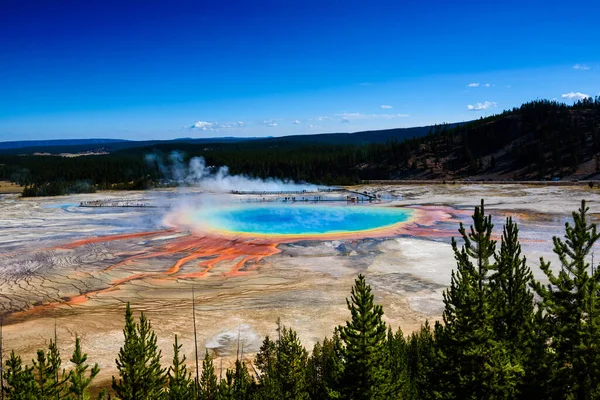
[(364, 350), (46, 369), (283, 367), (421, 364), (513, 301), (513, 308), (208, 380), (315, 373), (292, 359), (397, 363), (266, 364), (325, 369), (179, 381), (141, 376), (242, 381), (78, 381), (474, 364), (570, 303), (226, 390), (19, 381), (538, 366)]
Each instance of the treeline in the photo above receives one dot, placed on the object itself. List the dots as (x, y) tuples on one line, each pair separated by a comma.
[(540, 139), (58, 188), (495, 341)]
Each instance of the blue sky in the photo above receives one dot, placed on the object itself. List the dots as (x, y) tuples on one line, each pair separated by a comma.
[(164, 69)]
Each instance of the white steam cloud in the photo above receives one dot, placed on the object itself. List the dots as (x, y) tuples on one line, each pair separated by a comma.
[(197, 173)]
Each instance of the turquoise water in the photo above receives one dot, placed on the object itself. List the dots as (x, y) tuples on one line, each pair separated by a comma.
[(301, 220)]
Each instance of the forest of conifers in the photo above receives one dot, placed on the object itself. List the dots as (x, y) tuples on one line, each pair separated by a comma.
[(537, 140), (503, 335)]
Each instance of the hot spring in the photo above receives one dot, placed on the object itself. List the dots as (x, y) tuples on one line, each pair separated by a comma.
[(299, 220)]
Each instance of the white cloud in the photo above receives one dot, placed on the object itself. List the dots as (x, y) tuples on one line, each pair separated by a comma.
[(473, 85), (486, 85), (315, 126), (575, 96), (204, 126), (386, 107), (360, 116), (297, 122), (270, 124), (481, 106), (213, 126), (344, 120), (581, 66)]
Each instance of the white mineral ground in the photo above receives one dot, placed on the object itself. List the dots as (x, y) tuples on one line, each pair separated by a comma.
[(305, 285)]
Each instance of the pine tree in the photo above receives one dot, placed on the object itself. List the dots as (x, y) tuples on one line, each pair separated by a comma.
[(538, 365), (364, 351), (208, 380), (513, 308), (242, 381), (141, 376), (474, 364), (179, 381), (325, 369), (397, 363), (421, 364), (78, 381), (46, 368), (226, 390), (292, 359), (266, 364), (19, 381), (513, 301), (570, 303), (315, 373)]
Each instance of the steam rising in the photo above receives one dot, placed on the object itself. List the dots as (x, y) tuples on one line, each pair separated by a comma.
[(197, 173)]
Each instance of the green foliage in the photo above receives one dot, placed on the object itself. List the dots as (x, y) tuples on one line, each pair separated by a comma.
[(179, 381), (226, 386), (208, 380), (364, 347), (570, 304), (78, 381), (243, 383), (46, 368), (325, 369), (283, 367), (421, 360), (58, 188), (513, 308), (397, 363), (19, 381), (292, 359), (475, 364), (140, 372)]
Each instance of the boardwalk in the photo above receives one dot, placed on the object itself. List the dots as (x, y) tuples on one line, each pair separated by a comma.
[(116, 203)]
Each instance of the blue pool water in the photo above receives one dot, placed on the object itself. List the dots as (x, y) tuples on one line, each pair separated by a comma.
[(301, 220)]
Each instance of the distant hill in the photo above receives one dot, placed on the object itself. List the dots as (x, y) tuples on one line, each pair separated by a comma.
[(56, 143), (76, 146), (538, 140), (97, 145)]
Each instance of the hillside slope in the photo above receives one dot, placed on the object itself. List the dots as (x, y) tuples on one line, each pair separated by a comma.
[(539, 140)]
